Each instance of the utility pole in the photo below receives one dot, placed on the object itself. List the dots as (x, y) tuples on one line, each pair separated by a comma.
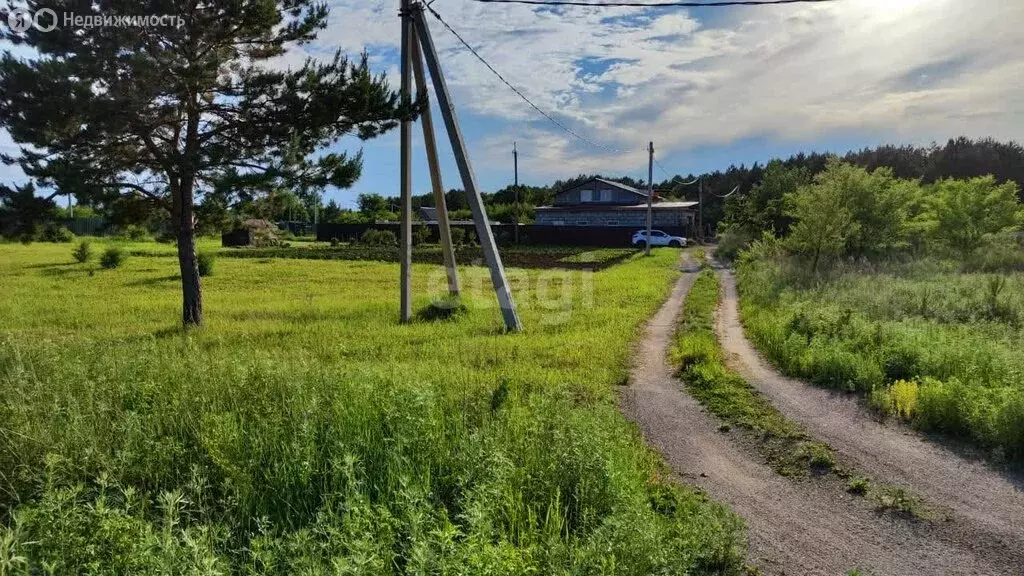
[(476, 204), (515, 187), (650, 194), (700, 210), (441, 206), (405, 171)]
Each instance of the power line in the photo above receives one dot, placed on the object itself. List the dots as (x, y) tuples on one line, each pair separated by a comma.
[(734, 190), (662, 168), (516, 90), (717, 4)]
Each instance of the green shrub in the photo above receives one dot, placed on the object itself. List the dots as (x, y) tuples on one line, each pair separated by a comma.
[(83, 253), (112, 258), (205, 261), (858, 485), (133, 232), (420, 235), (998, 253), (458, 236), (375, 237), (730, 243), (56, 233), (167, 236)]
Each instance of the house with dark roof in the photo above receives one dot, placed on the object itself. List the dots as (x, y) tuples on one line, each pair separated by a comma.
[(600, 202)]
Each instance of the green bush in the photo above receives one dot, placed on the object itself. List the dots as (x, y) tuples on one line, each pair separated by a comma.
[(167, 237), (133, 232), (83, 253), (56, 233), (998, 253), (375, 237), (420, 235), (112, 258), (458, 236), (730, 243), (206, 260)]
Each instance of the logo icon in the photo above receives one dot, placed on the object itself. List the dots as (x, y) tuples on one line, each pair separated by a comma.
[(19, 20)]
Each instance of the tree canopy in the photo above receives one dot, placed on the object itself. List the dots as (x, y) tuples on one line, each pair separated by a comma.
[(175, 112)]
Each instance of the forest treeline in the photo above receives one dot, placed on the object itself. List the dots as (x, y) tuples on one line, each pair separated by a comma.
[(757, 204)]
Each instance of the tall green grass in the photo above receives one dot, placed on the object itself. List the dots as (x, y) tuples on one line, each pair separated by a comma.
[(727, 395), (936, 347), (304, 431)]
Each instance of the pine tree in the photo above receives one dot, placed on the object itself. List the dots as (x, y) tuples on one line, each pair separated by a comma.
[(189, 106)]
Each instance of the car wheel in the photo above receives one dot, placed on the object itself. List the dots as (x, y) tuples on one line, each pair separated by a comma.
[(675, 244)]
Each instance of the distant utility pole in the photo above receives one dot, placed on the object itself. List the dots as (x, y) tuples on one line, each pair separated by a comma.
[(515, 164), (700, 210), (650, 194)]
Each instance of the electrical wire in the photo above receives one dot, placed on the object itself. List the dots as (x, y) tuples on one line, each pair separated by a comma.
[(734, 190), (517, 91), (717, 4)]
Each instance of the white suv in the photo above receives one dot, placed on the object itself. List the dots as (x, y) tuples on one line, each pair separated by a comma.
[(658, 238)]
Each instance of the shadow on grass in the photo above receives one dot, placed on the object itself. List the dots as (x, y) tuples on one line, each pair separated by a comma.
[(52, 265), (64, 270), (443, 308), (157, 281)]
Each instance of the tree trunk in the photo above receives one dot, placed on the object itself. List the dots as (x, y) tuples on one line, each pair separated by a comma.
[(184, 227)]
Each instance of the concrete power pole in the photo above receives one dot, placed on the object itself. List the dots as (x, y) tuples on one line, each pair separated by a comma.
[(405, 170), (430, 144), (515, 186), (700, 210), (476, 204), (650, 194)]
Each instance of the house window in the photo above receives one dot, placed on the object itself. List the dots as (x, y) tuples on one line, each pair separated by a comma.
[(586, 195), (606, 195)]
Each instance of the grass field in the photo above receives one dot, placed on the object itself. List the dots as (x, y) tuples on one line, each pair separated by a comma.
[(304, 431), (925, 342)]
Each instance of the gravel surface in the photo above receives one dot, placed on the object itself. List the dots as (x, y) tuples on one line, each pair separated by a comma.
[(795, 526), (987, 505)]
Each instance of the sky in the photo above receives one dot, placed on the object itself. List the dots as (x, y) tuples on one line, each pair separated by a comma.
[(709, 86)]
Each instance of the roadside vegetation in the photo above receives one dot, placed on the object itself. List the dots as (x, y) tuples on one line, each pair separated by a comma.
[(910, 294), (727, 395), (304, 431), (783, 443)]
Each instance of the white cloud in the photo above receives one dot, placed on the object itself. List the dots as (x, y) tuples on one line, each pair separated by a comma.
[(910, 69)]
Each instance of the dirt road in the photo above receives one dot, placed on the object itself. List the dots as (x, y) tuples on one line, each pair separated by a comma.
[(986, 505), (795, 527)]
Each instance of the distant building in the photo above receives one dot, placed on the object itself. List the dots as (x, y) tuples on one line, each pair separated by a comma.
[(599, 202)]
